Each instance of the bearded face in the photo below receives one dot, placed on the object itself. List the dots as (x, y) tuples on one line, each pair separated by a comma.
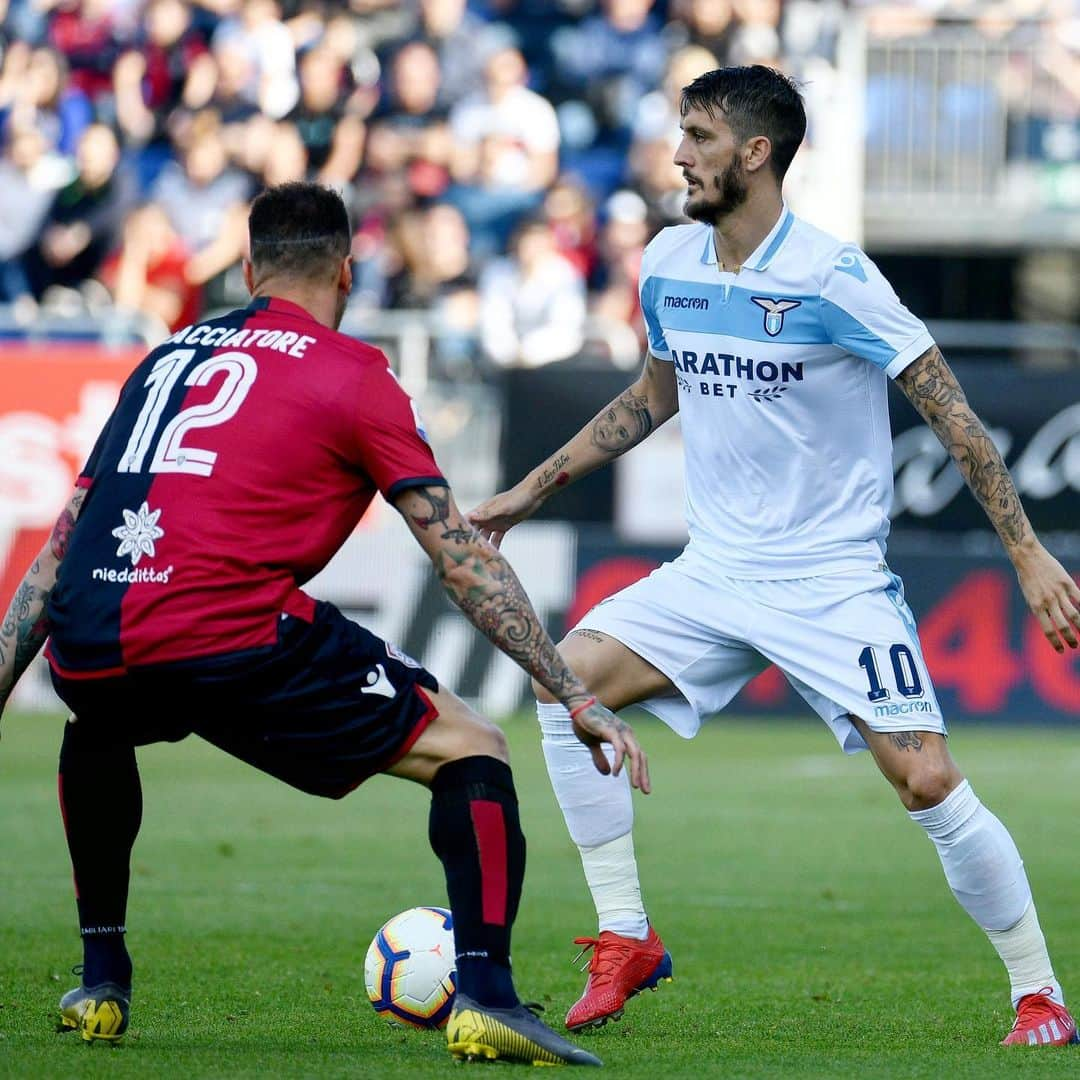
[(714, 196), (710, 157)]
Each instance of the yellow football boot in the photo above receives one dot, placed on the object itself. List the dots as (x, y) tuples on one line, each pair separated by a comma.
[(479, 1033), (96, 1012)]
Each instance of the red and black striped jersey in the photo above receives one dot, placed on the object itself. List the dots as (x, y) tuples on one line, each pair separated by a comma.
[(240, 456)]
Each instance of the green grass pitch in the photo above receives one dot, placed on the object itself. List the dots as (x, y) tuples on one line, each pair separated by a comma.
[(812, 931)]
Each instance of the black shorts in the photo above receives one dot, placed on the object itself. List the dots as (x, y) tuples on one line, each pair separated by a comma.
[(324, 708)]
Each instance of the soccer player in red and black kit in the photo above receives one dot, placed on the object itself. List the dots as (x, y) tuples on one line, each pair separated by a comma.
[(241, 454)]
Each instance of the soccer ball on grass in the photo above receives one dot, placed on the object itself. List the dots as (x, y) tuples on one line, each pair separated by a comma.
[(409, 969)]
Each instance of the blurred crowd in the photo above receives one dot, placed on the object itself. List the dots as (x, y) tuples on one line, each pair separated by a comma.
[(504, 161)]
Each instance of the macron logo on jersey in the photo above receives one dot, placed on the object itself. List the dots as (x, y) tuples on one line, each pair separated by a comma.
[(849, 264), (696, 303), (377, 682)]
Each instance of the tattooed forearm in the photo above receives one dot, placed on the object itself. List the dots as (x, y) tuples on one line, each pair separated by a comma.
[(906, 740), (483, 584), (623, 424), (65, 525), (933, 390), (25, 626), (438, 516), (554, 472)]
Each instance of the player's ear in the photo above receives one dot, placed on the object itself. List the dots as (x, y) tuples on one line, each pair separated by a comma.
[(756, 152), (249, 276), (345, 276)]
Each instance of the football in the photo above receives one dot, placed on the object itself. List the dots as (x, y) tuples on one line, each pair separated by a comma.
[(409, 969)]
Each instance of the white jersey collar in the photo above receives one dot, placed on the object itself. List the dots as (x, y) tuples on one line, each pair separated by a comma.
[(765, 251)]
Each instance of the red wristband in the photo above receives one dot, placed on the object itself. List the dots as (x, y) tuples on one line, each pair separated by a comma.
[(578, 709)]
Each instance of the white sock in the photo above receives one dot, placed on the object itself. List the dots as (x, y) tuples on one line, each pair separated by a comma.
[(599, 816), (986, 874)]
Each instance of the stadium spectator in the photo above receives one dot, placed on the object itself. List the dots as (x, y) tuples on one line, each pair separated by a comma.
[(153, 77), (461, 41), (332, 133), (510, 120), (84, 32), (286, 157), (623, 237), (612, 59), (492, 208), (532, 304), (150, 272), (263, 37), (84, 222), (198, 194), (434, 271), (757, 37), (657, 113), (435, 261), (657, 179), (709, 24), (506, 142), (570, 213), (36, 89), (410, 136), (225, 86), (30, 174)]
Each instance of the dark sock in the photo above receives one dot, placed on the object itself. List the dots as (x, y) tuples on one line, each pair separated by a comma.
[(475, 831), (101, 803), (105, 959)]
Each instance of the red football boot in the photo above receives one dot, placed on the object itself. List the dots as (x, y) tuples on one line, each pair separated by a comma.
[(620, 968), (1041, 1021)]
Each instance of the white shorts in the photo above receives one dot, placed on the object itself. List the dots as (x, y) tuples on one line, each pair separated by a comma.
[(846, 641)]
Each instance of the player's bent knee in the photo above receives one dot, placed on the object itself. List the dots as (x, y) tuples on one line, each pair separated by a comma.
[(456, 732), (474, 736), (493, 743), (929, 785)]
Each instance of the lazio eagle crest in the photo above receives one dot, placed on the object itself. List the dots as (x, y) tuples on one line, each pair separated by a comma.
[(774, 312)]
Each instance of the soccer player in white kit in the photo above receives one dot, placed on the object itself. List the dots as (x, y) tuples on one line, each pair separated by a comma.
[(774, 341)]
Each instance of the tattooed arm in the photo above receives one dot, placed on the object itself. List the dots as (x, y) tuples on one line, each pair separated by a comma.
[(649, 402), (1051, 593), (483, 584), (24, 629)]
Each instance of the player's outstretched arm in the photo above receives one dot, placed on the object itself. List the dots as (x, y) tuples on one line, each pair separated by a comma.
[(24, 629), (483, 584), (621, 424), (1051, 593)]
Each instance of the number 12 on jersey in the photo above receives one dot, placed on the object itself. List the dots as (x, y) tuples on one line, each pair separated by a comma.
[(170, 453)]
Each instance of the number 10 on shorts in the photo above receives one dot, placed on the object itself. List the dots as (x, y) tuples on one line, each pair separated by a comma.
[(905, 672)]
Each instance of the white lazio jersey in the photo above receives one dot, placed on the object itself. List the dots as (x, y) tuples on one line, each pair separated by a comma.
[(781, 371)]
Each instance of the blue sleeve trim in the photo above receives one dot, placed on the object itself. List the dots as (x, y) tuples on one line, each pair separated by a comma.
[(399, 486), (850, 334), (657, 343), (909, 354)]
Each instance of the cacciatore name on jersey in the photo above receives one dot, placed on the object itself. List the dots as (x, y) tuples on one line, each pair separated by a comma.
[(282, 341)]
